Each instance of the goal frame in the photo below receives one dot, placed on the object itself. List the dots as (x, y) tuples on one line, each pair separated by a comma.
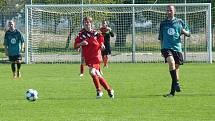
[(208, 23)]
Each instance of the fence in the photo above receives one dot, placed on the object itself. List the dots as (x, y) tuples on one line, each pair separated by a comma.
[(17, 13), (136, 27)]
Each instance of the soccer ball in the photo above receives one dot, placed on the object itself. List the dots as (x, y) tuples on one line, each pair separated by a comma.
[(31, 95)]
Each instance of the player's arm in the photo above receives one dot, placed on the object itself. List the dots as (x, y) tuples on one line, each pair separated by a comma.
[(23, 47), (185, 29), (101, 41), (5, 45), (111, 32), (185, 32), (5, 50), (22, 43), (78, 43), (160, 36)]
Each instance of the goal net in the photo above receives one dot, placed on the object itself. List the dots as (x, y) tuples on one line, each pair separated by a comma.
[(52, 29)]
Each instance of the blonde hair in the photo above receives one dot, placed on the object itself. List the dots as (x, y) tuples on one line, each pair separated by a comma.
[(88, 18)]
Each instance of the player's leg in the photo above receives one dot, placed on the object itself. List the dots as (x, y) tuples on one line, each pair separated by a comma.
[(104, 83), (172, 70), (168, 55), (177, 85), (179, 61), (82, 67), (105, 60), (13, 66), (104, 57), (95, 78), (177, 71), (98, 79), (18, 63), (107, 52)]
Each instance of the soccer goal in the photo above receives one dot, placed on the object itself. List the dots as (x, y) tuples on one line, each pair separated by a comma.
[(51, 30)]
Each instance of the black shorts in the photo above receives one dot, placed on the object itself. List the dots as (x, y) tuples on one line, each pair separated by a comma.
[(15, 58), (107, 50), (178, 57)]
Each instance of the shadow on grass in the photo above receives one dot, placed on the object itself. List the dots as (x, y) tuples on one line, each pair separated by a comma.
[(177, 95), (186, 95)]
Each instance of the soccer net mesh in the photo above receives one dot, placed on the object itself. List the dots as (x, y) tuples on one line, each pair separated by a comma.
[(52, 29)]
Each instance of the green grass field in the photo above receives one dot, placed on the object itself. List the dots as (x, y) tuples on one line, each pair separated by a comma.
[(63, 96)]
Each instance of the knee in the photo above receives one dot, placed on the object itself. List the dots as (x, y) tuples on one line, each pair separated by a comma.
[(171, 63), (92, 71), (171, 66), (18, 61)]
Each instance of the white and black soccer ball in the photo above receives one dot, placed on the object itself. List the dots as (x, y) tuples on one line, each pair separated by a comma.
[(31, 95)]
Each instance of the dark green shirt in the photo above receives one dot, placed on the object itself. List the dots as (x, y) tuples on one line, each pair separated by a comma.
[(13, 41)]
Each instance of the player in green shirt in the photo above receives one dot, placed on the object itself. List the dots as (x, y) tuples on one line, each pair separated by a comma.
[(14, 44), (170, 33)]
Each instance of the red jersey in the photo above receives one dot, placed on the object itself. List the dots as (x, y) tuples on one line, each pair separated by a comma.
[(92, 51)]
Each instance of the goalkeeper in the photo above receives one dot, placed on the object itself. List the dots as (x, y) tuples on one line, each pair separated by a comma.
[(170, 33), (107, 33)]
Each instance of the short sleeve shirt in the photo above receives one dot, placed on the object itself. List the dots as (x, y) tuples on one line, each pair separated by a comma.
[(92, 51), (170, 34), (13, 41)]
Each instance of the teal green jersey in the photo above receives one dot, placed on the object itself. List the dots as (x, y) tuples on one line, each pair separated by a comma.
[(13, 42), (170, 34)]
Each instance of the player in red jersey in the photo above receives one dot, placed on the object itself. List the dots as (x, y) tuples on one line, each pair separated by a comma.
[(107, 33), (91, 43)]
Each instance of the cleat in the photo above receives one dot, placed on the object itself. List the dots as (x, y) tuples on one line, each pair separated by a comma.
[(14, 76), (99, 94), (169, 95), (105, 66), (177, 87), (81, 75), (111, 94), (19, 74)]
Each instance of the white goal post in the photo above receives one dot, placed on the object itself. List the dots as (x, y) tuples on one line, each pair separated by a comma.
[(51, 30)]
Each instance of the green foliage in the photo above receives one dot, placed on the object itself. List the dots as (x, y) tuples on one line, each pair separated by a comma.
[(76, 1), (3, 3), (103, 1)]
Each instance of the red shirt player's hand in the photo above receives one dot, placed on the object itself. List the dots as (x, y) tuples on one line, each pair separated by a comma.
[(109, 29), (102, 47), (84, 43)]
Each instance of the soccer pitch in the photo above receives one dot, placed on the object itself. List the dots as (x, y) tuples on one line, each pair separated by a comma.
[(63, 96)]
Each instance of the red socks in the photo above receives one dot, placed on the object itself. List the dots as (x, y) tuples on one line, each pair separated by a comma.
[(105, 60), (102, 81), (96, 82), (81, 68)]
